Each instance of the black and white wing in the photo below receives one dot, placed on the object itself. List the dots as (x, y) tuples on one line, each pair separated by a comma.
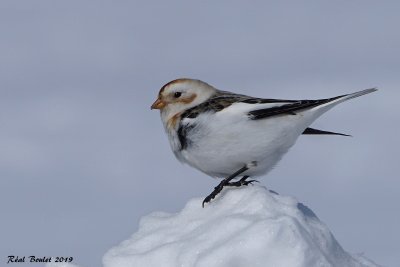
[(259, 109)]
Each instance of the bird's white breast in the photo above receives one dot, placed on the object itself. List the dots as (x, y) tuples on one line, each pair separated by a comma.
[(223, 142)]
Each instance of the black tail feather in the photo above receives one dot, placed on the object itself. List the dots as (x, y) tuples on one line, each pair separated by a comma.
[(316, 131)]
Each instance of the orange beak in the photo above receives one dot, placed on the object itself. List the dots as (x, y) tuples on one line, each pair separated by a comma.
[(158, 104)]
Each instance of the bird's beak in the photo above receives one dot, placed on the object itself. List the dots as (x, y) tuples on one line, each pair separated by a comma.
[(158, 104)]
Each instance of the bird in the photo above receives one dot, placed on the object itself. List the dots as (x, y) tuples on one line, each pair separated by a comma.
[(235, 136)]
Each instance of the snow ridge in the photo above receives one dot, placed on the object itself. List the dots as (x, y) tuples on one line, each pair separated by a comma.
[(248, 226)]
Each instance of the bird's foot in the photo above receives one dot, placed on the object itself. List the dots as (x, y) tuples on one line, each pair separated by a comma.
[(225, 182), (241, 182)]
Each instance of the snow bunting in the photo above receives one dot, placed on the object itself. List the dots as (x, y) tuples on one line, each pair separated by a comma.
[(228, 135)]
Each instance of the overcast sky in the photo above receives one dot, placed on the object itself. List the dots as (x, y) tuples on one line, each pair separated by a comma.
[(82, 156)]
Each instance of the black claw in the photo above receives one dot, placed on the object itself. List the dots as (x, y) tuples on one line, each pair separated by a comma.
[(214, 193), (250, 182), (206, 200), (241, 182)]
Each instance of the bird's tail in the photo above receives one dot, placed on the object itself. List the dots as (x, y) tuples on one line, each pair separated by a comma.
[(331, 102), (342, 98), (317, 111)]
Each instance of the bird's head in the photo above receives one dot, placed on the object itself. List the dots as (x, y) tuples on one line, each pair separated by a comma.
[(180, 95)]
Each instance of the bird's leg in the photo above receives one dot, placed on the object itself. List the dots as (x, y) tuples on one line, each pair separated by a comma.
[(223, 183), (226, 181), (241, 182)]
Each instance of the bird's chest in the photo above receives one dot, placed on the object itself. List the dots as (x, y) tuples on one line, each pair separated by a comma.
[(187, 138)]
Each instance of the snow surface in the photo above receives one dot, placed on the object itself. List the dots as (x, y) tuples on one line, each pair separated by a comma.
[(248, 226)]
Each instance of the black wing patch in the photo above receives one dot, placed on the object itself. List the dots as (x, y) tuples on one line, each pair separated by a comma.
[(288, 108), (316, 131)]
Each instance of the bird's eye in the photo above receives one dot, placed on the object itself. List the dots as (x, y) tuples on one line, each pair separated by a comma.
[(177, 94)]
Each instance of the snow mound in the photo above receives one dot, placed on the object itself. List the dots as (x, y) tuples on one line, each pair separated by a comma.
[(248, 226)]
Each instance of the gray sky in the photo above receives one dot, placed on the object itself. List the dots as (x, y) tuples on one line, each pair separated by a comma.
[(82, 157)]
